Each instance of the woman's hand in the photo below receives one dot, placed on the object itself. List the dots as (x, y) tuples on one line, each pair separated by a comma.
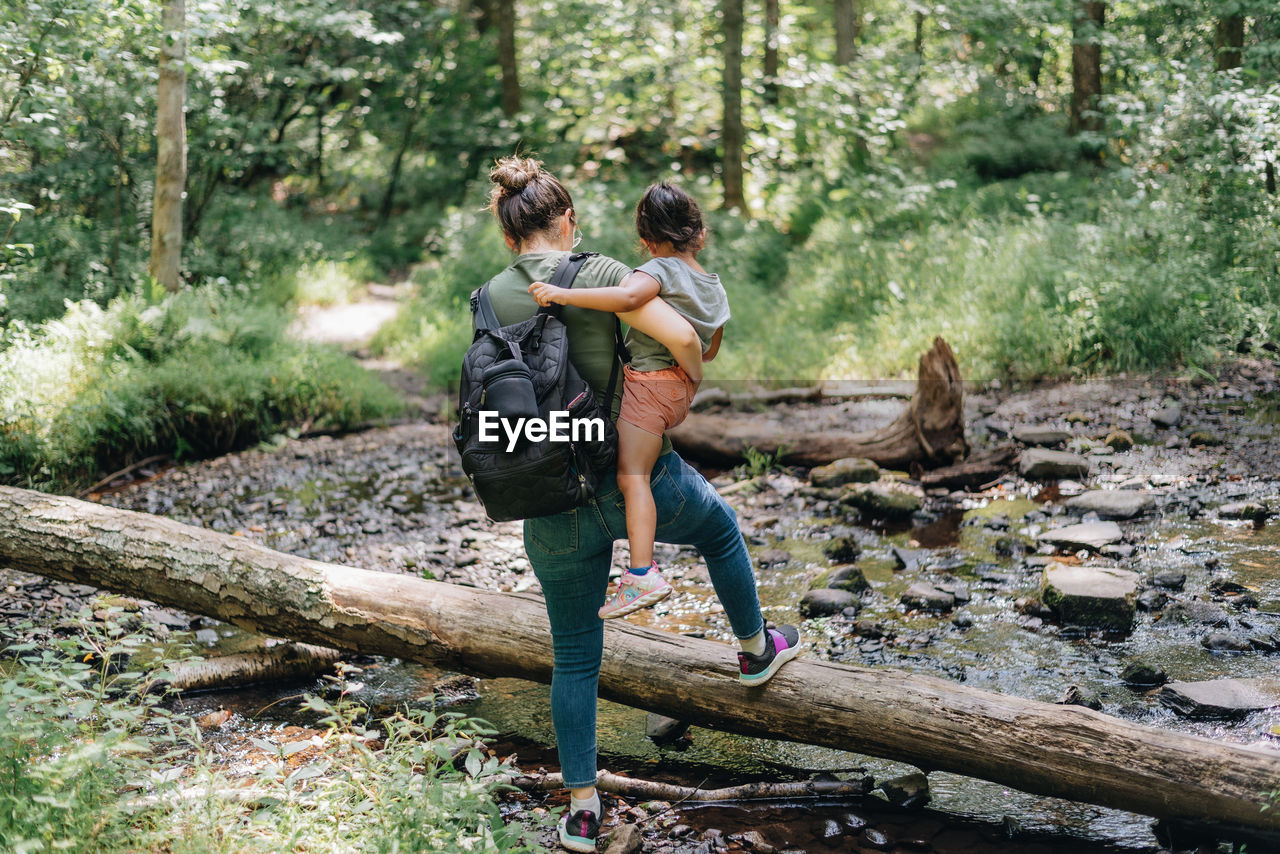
[(545, 294)]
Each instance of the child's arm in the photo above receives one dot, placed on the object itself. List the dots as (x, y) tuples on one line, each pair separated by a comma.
[(628, 295), (669, 328), (715, 345)]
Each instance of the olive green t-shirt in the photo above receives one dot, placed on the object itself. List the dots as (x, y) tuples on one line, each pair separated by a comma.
[(590, 332)]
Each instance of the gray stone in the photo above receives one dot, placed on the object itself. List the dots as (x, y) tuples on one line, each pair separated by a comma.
[(1225, 642), (842, 549), (1077, 696), (1221, 698), (1170, 579), (1167, 417), (824, 602), (625, 839), (1091, 595), (664, 730), (848, 470), (1088, 535), (1029, 434), (1112, 503), (882, 502), (1195, 611), (909, 790), (1142, 674), (848, 578), (925, 597), (1039, 464), (1254, 511), (773, 557), (1152, 600), (907, 558), (876, 839)]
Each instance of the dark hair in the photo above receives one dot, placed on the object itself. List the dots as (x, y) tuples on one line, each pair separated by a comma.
[(668, 214), (526, 199)]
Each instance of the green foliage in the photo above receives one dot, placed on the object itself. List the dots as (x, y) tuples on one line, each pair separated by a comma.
[(194, 374), (91, 760)]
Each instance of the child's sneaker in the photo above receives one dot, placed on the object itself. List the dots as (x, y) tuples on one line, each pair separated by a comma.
[(780, 646), (578, 832), (635, 592)]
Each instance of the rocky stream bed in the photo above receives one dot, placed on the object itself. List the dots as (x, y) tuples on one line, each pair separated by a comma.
[(1155, 492)]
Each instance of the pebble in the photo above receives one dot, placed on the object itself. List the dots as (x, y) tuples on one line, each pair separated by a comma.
[(876, 839)]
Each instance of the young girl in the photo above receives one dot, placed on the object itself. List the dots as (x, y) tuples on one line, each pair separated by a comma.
[(656, 391)]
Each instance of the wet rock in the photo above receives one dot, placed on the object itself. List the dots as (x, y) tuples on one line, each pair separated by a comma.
[(1088, 535), (958, 589), (876, 839), (1142, 674), (831, 829), (1118, 440), (1195, 611), (1091, 595), (924, 596), (1041, 436), (824, 602), (1117, 551), (1077, 696), (1221, 698), (842, 550), (1169, 579), (679, 831), (1254, 511), (882, 502), (1152, 600), (853, 822), (1226, 587), (1032, 607), (848, 578), (908, 559), (868, 629), (625, 839), (909, 790), (753, 840), (1167, 417), (773, 557), (1112, 503), (664, 730), (848, 470), (1265, 643), (1225, 642), (1039, 464)]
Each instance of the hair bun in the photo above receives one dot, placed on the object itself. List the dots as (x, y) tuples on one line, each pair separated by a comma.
[(514, 173)]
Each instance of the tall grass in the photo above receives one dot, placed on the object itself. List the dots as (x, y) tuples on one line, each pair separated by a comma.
[(188, 375)]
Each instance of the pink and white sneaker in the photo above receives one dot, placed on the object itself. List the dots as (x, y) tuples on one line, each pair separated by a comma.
[(635, 592)]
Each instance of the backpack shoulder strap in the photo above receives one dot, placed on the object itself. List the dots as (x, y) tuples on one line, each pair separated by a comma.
[(482, 313), (564, 275)]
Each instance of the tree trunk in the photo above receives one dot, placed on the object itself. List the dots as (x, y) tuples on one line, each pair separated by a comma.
[(1228, 42), (733, 132), (848, 25), (929, 432), (171, 149), (282, 662), (1063, 751), (1086, 66), (772, 21), (507, 57), (917, 41)]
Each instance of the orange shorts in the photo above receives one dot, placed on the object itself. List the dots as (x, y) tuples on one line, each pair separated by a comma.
[(655, 401)]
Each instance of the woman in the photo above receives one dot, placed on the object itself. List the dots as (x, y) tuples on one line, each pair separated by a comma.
[(571, 552)]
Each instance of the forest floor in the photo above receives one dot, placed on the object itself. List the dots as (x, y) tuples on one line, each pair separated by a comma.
[(392, 499)]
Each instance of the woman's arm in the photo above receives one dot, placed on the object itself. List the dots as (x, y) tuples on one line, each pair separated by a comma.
[(668, 327), (715, 345), (628, 295)]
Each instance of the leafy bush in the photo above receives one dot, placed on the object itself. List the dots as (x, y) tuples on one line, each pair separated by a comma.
[(194, 374)]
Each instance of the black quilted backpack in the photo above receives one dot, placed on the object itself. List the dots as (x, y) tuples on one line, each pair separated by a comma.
[(523, 371)]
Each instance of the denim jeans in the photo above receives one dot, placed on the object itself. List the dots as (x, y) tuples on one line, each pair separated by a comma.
[(571, 554)]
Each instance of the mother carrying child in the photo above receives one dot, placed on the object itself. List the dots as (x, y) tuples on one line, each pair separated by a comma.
[(571, 552)]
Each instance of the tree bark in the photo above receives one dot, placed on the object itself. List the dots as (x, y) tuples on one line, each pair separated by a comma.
[(848, 25), (171, 149), (1228, 42), (917, 41), (1063, 751), (973, 473), (1086, 65), (732, 132), (929, 432), (772, 22), (507, 57), (274, 664)]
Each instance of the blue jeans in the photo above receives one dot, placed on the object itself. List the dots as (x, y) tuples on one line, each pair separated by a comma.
[(571, 554)]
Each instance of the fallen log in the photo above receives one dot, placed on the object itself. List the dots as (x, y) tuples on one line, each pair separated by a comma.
[(977, 471), (930, 431), (634, 787), (283, 662), (1067, 752)]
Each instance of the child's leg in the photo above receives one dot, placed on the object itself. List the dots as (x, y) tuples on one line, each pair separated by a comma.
[(638, 450)]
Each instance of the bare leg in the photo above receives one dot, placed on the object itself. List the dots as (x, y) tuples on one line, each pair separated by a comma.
[(637, 452)]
